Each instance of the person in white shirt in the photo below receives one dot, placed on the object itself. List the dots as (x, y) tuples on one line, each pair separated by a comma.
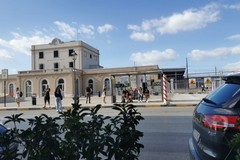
[(17, 97)]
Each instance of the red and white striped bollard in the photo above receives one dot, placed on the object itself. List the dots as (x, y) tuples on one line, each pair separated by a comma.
[(165, 89)]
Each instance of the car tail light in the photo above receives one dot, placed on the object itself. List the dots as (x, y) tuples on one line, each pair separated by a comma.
[(221, 122)]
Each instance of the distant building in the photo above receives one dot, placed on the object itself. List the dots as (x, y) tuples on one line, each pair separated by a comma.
[(53, 65)]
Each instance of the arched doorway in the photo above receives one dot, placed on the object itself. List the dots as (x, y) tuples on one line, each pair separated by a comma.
[(61, 84), (11, 90), (28, 88), (90, 83), (107, 84), (44, 85)]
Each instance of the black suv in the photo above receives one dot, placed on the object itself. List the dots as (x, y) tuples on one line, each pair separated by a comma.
[(215, 122)]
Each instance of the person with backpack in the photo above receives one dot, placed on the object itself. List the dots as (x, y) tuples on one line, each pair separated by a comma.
[(17, 97)]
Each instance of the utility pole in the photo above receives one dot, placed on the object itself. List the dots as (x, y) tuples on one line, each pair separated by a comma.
[(187, 72)]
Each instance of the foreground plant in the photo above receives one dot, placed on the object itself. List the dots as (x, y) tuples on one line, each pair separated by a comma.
[(79, 133)]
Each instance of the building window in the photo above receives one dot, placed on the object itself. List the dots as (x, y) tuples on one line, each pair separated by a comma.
[(55, 54), (41, 55), (41, 66), (70, 51), (55, 66), (91, 56), (70, 64)]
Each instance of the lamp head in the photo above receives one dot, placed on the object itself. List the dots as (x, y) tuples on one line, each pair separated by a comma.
[(74, 54)]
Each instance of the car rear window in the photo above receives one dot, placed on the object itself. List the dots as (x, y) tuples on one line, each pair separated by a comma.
[(224, 93)]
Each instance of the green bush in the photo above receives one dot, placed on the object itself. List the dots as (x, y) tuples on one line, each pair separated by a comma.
[(235, 144), (79, 133)]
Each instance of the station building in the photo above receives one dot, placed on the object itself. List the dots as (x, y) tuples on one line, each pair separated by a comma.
[(75, 65)]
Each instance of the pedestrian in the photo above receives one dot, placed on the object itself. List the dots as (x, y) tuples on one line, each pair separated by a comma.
[(131, 94), (203, 88), (17, 97), (47, 97), (104, 93), (147, 95), (58, 95), (124, 93), (140, 95), (88, 94)]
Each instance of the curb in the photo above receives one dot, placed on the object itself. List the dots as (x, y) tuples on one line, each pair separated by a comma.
[(104, 106), (178, 105)]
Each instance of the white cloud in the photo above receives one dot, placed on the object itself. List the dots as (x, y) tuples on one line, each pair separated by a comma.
[(105, 28), (234, 37), (142, 36), (87, 30), (22, 44), (4, 54), (232, 66), (191, 19), (202, 55), (188, 20), (66, 30), (233, 6), (153, 57), (134, 27)]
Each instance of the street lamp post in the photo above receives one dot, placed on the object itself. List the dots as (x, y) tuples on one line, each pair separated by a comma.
[(75, 98)]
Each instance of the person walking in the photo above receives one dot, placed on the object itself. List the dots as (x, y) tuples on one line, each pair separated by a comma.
[(104, 93), (88, 94), (58, 95), (47, 97), (124, 94), (140, 95), (203, 88), (147, 95), (17, 97)]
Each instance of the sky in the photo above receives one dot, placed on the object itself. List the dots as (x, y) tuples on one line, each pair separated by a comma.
[(205, 34)]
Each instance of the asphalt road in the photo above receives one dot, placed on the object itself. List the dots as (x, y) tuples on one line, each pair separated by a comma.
[(165, 137), (166, 130)]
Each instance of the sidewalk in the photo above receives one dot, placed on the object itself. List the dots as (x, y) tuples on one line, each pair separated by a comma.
[(177, 100)]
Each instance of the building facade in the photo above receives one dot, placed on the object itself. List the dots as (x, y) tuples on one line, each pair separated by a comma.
[(54, 64)]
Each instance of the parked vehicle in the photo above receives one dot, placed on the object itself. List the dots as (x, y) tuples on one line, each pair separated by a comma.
[(215, 122), (13, 143)]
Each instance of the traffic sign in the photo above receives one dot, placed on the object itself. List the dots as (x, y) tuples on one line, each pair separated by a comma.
[(4, 73)]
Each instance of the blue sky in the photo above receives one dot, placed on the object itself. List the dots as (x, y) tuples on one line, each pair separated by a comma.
[(126, 32)]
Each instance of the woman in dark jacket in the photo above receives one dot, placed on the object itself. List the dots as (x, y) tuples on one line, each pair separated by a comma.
[(58, 95)]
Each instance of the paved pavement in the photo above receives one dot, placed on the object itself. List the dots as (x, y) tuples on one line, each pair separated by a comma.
[(176, 100)]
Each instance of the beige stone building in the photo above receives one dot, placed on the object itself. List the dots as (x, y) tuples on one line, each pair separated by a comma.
[(63, 63)]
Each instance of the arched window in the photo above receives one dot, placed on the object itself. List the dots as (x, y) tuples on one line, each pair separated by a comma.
[(28, 88), (11, 90), (44, 86), (61, 84), (107, 84)]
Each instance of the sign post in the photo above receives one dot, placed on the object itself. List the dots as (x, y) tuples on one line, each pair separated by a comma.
[(4, 77)]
